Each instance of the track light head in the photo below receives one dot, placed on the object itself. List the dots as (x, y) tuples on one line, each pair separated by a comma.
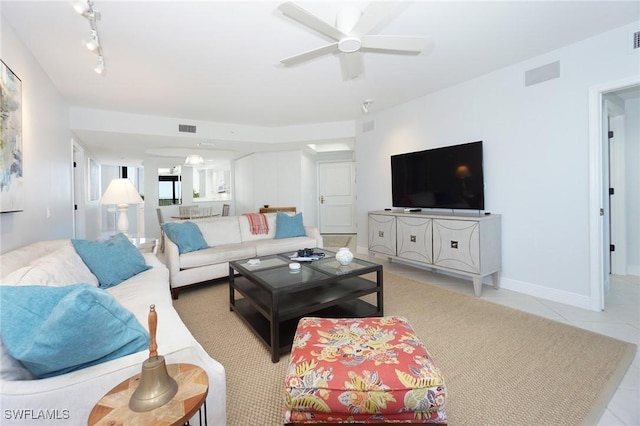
[(100, 69), (93, 44), (365, 105)]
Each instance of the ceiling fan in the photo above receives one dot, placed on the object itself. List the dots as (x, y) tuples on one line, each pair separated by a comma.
[(351, 33)]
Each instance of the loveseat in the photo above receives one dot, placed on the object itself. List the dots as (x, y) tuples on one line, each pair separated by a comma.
[(68, 398), (230, 238)]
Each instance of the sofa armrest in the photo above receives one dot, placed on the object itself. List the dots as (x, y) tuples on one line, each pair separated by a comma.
[(314, 232), (172, 255)]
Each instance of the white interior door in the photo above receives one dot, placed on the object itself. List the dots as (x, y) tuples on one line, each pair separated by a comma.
[(617, 194), (337, 190)]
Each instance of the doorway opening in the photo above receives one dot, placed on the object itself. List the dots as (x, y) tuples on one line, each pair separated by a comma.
[(613, 108)]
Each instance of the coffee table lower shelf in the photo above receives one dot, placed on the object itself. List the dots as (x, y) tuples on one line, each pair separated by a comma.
[(261, 326)]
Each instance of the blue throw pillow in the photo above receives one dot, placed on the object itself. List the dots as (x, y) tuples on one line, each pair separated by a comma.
[(111, 261), (289, 226), (55, 330), (186, 235)]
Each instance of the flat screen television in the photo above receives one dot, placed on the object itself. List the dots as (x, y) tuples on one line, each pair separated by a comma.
[(442, 178)]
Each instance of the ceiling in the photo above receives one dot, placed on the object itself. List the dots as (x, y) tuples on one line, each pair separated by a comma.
[(218, 61)]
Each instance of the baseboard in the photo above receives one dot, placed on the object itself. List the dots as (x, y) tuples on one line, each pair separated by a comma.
[(551, 294), (546, 293)]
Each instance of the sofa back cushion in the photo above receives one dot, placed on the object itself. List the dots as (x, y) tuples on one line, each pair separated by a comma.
[(58, 268), (220, 231), (23, 256), (245, 228)]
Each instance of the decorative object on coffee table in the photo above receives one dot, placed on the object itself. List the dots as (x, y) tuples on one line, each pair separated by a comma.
[(344, 256)]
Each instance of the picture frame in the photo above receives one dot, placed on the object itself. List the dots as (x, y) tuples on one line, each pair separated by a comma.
[(12, 193)]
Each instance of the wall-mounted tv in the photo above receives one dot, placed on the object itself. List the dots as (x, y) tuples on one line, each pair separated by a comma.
[(442, 178)]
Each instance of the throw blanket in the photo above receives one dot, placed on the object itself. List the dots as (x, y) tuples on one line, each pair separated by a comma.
[(257, 223)]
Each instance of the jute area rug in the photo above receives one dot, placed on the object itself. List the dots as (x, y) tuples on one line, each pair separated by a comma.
[(501, 366)]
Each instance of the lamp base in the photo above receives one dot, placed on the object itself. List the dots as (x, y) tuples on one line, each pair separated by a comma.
[(123, 219)]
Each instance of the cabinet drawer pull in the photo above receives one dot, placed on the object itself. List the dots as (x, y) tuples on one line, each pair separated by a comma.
[(413, 238), (454, 244), (381, 234)]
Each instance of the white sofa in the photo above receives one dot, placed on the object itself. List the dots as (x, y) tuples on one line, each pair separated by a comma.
[(71, 396), (229, 238)]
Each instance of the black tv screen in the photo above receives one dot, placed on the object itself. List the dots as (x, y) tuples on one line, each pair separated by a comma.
[(447, 178)]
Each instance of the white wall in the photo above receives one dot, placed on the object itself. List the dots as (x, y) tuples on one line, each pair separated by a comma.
[(632, 169), (47, 145), (536, 158), (283, 178)]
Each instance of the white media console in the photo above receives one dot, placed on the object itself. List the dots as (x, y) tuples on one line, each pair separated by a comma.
[(462, 243)]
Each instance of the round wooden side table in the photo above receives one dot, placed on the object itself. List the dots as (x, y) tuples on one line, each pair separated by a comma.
[(193, 387)]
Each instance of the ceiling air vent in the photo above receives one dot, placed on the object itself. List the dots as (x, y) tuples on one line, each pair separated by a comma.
[(186, 128), (636, 40)]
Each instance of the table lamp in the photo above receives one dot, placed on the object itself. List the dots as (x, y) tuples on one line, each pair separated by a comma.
[(121, 193)]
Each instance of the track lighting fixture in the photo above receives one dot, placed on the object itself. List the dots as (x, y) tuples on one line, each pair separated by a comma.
[(85, 9), (100, 69), (93, 44), (365, 105)]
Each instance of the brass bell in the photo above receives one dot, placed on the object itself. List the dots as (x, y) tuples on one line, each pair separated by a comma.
[(156, 387)]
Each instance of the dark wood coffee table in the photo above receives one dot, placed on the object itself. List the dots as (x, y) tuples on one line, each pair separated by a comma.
[(274, 298)]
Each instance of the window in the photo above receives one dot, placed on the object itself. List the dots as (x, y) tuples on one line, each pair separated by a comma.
[(169, 186), (212, 182)]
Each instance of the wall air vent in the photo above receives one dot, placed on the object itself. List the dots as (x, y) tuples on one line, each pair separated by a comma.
[(541, 74), (636, 40), (186, 128), (368, 126)]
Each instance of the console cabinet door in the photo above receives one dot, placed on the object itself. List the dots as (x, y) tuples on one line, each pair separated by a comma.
[(456, 244), (382, 234), (415, 239)]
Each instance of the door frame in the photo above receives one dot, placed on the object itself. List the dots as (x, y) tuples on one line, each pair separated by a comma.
[(596, 187)]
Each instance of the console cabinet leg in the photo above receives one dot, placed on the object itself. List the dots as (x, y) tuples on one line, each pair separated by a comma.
[(496, 279), (477, 286)]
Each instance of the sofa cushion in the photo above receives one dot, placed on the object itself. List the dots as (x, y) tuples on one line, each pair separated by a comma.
[(288, 226), (54, 330), (284, 245), (220, 231), (214, 255), (11, 368), (112, 261), (186, 235), (62, 267)]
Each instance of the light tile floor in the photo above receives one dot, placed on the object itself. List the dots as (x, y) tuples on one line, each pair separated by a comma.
[(620, 319)]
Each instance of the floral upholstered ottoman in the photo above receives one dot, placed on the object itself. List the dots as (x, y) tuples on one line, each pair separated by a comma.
[(362, 370)]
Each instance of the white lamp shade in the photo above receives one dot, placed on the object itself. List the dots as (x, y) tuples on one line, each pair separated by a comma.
[(121, 191)]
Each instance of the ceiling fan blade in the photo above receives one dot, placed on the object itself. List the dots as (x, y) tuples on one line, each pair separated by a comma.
[(351, 65), (398, 44), (310, 20), (373, 15), (310, 54)]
